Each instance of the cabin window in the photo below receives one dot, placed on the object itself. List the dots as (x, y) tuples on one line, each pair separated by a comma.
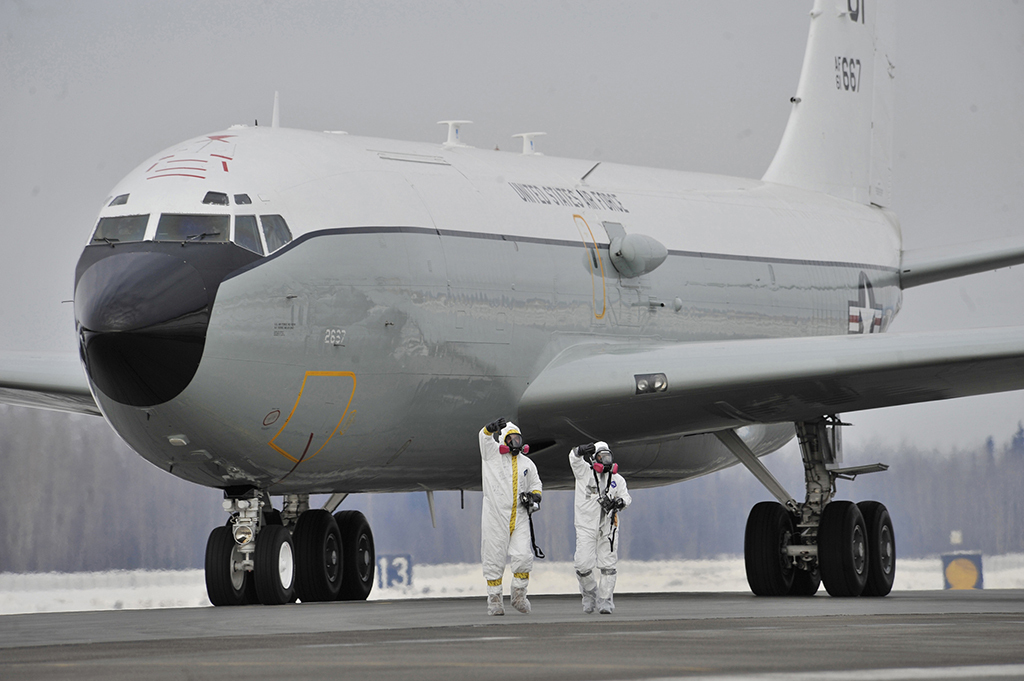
[(275, 229), (119, 200), (242, 199), (122, 228), (193, 227), (216, 198), (247, 234)]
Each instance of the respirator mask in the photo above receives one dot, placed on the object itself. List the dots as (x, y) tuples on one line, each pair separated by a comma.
[(514, 445), (603, 462)]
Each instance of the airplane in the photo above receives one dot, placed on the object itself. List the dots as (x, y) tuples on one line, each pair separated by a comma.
[(281, 313)]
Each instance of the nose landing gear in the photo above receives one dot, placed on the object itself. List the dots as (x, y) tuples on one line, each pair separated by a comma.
[(270, 557)]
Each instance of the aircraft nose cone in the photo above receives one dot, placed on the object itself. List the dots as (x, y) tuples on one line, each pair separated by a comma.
[(137, 291), (142, 320)]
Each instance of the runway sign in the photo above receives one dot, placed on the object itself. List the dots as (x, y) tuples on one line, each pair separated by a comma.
[(394, 571), (962, 571)]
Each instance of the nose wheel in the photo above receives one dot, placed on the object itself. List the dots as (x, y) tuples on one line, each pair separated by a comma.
[(275, 565), (227, 580)]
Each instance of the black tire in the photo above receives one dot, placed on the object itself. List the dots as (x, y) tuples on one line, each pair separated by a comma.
[(224, 584), (805, 582), (843, 551), (318, 557), (769, 568), (359, 556), (275, 565), (881, 548)]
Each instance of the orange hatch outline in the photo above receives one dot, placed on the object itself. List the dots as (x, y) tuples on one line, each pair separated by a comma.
[(600, 262), (299, 398)]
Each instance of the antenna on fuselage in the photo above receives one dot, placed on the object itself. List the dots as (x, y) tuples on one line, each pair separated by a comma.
[(454, 137), (529, 149), (275, 121)]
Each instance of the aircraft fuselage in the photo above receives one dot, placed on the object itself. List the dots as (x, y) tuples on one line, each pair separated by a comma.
[(424, 289)]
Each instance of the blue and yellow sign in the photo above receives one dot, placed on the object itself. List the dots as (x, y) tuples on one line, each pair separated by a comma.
[(962, 571)]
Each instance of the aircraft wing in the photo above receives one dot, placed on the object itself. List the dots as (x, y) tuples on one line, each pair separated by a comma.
[(927, 265), (592, 389), (46, 381)]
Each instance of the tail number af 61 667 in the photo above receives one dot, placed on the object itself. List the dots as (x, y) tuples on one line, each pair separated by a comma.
[(335, 337), (848, 74)]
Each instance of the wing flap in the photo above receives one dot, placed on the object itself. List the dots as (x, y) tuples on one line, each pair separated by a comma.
[(591, 389), (45, 381)]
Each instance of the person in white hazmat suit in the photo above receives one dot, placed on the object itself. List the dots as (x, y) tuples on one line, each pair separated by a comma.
[(511, 485), (600, 494)]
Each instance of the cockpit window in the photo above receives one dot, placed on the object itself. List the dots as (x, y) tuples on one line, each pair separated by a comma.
[(242, 199), (119, 200), (122, 228), (275, 229), (216, 198), (247, 234), (193, 227)]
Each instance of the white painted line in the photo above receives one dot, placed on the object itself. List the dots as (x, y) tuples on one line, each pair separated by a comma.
[(990, 671)]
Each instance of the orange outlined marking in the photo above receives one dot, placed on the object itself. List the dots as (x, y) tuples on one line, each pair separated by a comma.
[(593, 244), (302, 389)]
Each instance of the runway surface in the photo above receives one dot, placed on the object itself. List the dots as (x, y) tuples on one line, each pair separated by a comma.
[(908, 635)]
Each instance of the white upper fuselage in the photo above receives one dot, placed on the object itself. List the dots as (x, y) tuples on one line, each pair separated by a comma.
[(327, 180), (427, 285)]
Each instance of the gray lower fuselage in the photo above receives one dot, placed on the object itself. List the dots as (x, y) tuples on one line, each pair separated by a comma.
[(366, 359)]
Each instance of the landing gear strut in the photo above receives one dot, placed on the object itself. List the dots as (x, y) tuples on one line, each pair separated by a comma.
[(790, 547), (275, 557)]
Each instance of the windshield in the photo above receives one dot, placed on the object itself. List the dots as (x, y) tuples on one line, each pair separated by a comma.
[(192, 227), (246, 233), (276, 231), (122, 228)]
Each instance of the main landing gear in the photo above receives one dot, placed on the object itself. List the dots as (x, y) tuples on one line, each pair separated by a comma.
[(275, 557), (790, 548)]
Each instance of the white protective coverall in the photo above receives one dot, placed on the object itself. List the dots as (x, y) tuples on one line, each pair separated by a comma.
[(595, 532), (504, 524)]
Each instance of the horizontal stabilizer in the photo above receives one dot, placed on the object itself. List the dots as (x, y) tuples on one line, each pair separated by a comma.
[(45, 381), (927, 265), (628, 393)]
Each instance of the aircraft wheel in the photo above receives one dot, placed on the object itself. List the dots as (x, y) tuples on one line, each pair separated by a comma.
[(359, 557), (275, 565), (805, 582), (881, 548), (843, 551), (769, 568), (317, 557), (226, 585)]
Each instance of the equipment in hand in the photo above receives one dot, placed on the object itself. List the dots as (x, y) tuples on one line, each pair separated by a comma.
[(530, 500), (607, 503)]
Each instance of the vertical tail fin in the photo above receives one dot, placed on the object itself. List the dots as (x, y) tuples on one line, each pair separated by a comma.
[(839, 136)]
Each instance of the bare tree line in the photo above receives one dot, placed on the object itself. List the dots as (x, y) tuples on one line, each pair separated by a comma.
[(73, 497)]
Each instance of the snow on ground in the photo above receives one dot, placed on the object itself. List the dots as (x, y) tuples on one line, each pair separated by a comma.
[(146, 589)]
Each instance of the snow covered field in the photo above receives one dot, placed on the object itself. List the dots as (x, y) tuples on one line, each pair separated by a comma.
[(143, 589)]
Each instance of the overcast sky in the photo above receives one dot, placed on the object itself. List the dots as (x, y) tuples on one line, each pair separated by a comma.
[(88, 90)]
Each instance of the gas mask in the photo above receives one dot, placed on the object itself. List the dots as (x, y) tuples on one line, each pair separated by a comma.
[(514, 445), (603, 462)]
